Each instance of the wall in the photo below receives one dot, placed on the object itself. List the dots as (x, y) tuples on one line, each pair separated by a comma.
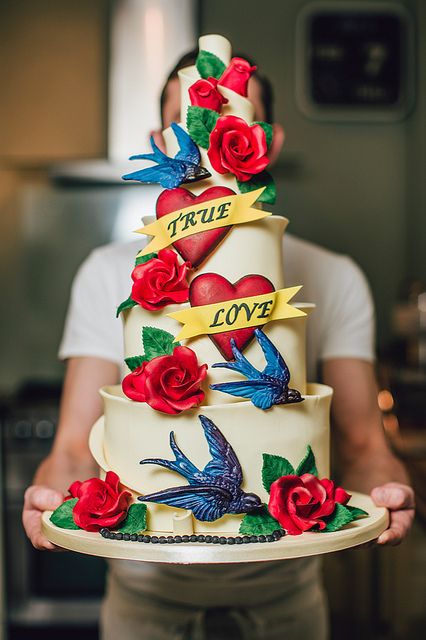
[(354, 188), (53, 80), (53, 71)]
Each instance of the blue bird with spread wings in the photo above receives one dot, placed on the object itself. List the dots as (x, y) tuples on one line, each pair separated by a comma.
[(212, 492), (171, 172), (264, 388)]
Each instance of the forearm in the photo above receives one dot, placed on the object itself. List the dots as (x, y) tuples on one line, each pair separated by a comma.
[(372, 468), (70, 458), (59, 470), (364, 459)]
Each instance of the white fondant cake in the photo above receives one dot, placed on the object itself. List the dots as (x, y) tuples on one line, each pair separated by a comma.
[(134, 431), (214, 437)]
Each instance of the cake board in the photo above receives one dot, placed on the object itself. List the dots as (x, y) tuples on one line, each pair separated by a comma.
[(356, 533), (307, 544)]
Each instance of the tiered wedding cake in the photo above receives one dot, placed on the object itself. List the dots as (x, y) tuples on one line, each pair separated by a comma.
[(214, 431)]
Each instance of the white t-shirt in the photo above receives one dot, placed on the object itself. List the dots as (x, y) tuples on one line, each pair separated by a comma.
[(341, 326)]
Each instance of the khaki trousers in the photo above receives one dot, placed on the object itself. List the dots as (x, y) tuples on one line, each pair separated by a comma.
[(133, 615)]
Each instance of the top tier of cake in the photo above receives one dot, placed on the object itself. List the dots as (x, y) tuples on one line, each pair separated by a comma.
[(250, 248), (237, 105)]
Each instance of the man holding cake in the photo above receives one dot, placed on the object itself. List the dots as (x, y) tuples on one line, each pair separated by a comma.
[(259, 600)]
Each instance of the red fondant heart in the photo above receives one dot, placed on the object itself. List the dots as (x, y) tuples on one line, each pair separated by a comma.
[(209, 288), (197, 247)]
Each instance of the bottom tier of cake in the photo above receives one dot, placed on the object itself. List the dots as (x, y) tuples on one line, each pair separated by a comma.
[(131, 432)]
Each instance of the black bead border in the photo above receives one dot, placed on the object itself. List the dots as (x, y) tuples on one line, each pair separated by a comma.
[(206, 539)]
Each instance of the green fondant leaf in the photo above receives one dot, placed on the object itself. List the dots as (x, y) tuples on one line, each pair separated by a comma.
[(307, 465), (340, 516), (62, 516), (273, 468), (135, 361), (209, 65), (268, 131), (127, 304), (157, 342), (200, 123), (356, 511), (259, 522), (263, 179), (142, 259), (135, 520)]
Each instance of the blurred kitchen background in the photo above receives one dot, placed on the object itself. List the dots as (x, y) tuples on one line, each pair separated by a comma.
[(79, 84)]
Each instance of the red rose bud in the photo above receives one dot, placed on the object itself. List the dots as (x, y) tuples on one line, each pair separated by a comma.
[(100, 503), (236, 147), (170, 383), (160, 281), (300, 503), (237, 75), (204, 93)]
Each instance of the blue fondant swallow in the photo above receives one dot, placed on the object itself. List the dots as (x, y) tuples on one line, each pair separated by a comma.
[(264, 388), (171, 172), (212, 492)]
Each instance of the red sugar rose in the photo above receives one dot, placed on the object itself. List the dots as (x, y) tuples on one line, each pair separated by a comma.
[(170, 383), (160, 281), (237, 75), (300, 503), (100, 502), (204, 93), (236, 147)]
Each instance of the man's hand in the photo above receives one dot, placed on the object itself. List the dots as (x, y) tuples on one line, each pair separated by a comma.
[(38, 499), (399, 499), (70, 458)]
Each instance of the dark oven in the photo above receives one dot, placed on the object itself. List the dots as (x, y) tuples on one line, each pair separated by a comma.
[(45, 591)]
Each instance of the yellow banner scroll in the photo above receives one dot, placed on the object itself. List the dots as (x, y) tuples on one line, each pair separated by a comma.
[(202, 216), (237, 314)]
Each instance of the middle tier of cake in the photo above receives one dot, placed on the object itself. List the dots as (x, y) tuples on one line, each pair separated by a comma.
[(250, 249)]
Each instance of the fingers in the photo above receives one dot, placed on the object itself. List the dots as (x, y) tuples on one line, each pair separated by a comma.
[(394, 496), (38, 499), (38, 540), (400, 524), (399, 499), (42, 498), (32, 525)]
